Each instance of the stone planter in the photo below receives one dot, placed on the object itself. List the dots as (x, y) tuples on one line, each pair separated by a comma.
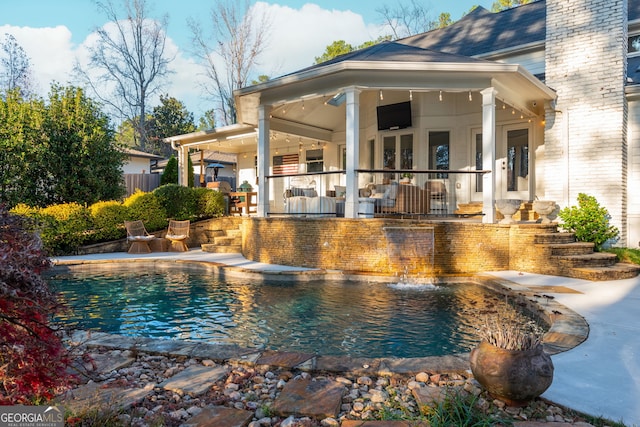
[(508, 207), (544, 208), (513, 376)]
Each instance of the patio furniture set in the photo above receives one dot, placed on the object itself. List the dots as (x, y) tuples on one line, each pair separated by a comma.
[(142, 241)]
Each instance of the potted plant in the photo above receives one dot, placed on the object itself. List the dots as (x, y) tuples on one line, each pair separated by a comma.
[(406, 178), (510, 362)]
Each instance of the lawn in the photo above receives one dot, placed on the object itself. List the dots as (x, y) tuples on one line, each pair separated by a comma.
[(626, 254)]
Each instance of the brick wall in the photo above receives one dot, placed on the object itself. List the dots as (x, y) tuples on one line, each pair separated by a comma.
[(586, 137), (361, 245)]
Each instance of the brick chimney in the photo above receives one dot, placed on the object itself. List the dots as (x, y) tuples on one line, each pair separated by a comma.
[(586, 131)]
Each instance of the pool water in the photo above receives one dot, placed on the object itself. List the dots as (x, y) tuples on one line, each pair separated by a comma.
[(327, 318)]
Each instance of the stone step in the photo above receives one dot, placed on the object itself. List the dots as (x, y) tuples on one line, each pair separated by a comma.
[(217, 249), (215, 233), (227, 241), (234, 232), (617, 271), (594, 260), (576, 248), (555, 238)]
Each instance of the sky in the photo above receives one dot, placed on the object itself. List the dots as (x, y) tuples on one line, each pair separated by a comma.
[(55, 34)]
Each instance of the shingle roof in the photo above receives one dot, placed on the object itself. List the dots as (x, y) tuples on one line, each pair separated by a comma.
[(481, 31), (399, 52), (478, 33)]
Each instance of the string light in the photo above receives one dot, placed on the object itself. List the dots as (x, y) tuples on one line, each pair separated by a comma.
[(410, 95), (470, 97), (440, 96), (381, 97)]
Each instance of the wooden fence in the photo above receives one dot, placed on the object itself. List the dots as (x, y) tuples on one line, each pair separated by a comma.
[(143, 181)]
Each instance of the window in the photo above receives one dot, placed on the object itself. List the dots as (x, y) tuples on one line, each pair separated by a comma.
[(315, 162), (634, 44), (439, 152)]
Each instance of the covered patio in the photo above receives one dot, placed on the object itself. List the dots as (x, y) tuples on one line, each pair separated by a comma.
[(333, 135)]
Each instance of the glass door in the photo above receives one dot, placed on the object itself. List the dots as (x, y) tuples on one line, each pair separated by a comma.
[(515, 164), (397, 152)]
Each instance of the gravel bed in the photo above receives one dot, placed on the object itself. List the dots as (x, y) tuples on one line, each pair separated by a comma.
[(255, 388)]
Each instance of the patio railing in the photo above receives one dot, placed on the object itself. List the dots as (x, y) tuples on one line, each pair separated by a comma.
[(415, 193)]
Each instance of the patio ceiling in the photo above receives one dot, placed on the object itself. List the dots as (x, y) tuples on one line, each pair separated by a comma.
[(300, 113)]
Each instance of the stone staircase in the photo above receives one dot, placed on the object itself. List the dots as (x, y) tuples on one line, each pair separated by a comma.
[(224, 237), (578, 259)]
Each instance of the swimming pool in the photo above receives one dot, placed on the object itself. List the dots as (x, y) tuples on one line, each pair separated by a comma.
[(322, 317)]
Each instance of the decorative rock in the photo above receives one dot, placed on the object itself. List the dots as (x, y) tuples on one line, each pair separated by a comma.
[(422, 377), (330, 422), (365, 381), (379, 396), (288, 422), (413, 385)]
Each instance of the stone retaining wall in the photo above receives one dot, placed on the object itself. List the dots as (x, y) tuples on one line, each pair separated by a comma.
[(361, 246)]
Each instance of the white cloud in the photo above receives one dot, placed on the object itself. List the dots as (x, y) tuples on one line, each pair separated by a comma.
[(298, 36), (50, 51)]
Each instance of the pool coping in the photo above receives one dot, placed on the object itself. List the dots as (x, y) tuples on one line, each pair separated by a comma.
[(567, 328)]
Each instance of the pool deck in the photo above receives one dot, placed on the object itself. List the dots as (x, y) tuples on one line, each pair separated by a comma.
[(600, 377)]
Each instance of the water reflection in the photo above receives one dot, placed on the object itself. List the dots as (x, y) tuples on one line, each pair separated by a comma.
[(330, 318)]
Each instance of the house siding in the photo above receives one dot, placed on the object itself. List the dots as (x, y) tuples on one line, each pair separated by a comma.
[(633, 233), (586, 132)]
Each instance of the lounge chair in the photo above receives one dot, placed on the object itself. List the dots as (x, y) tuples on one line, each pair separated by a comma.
[(138, 236), (177, 234)]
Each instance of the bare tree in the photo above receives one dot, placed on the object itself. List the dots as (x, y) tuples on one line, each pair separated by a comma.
[(406, 19), (15, 67), (230, 51), (130, 60)]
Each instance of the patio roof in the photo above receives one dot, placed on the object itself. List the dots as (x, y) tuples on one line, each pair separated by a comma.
[(386, 66)]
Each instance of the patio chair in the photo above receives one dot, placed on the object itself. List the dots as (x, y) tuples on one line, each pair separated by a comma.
[(138, 236), (177, 234), (437, 191)]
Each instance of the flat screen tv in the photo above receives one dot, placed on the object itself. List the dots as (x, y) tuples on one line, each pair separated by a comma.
[(394, 116)]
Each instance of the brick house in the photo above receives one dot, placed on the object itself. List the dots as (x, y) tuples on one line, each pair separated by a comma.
[(537, 102)]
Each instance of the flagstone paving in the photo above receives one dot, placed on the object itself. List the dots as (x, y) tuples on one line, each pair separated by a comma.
[(221, 416), (195, 380), (317, 399), (89, 395)]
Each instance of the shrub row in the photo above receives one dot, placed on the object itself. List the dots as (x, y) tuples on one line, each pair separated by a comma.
[(65, 227)]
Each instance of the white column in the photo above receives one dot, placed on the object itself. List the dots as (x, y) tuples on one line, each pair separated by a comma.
[(183, 166), (353, 151), (263, 159), (489, 154)]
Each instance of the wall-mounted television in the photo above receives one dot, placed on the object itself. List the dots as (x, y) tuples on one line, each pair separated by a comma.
[(394, 116)]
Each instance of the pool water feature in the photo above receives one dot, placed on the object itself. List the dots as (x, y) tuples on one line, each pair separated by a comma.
[(322, 317)]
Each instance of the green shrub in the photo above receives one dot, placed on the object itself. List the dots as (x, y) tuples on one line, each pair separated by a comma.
[(170, 174), (210, 203), (64, 227), (589, 221), (179, 202), (146, 207), (108, 220)]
